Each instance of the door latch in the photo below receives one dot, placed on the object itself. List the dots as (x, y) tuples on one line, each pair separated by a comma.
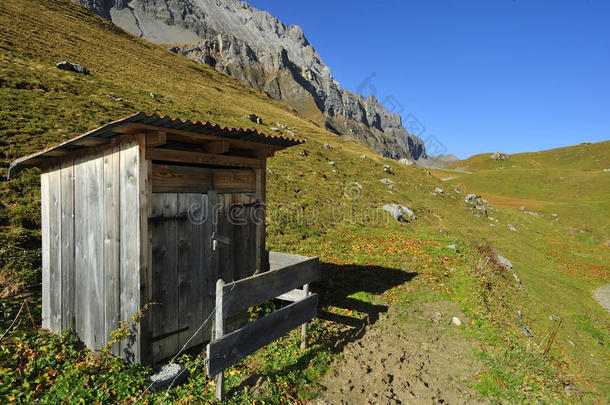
[(216, 238)]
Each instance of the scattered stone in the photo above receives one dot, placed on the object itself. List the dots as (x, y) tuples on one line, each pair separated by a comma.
[(283, 126), (331, 163), (503, 261), (527, 331), (606, 170), (327, 146), (269, 171), (499, 156), (516, 278), (512, 228), (522, 208), (520, 315), (438, 190), (304, 152), (585, 143), (151, 94), (554, 215), (452, 247), (254, 118), (171, 374), (73, 67), (289, 132), (388, 169), (599, 342), (115, 98), (274, 129), (570, 342), (406, 161), (470, 198), (456, 321), (399, 212), (550, 317), (362, 156), (387, 182)]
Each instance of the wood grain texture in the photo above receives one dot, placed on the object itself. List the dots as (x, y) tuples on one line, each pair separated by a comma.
[(181, 156), (81, 255), (130, 244), (232, 347), (67, 245), (111, 229), (265, 286), (55, 273), (166, 310), (174, 179), (191, 280), (234, 180), (46, 244)]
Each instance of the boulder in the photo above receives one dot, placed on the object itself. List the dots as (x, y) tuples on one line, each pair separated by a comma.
[(387, 182), (438, 190), (388, 169), (73, 67), (406, 161), (503, 261), (254, 118), (399, 212), (173, 374), (456, 321), (499, 156), (512, 228)]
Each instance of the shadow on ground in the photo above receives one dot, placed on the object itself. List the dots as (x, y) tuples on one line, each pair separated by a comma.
[(337, 284)]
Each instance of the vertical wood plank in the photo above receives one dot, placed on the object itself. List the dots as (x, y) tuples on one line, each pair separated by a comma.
[(130, 244), (304, 326), (111, 245), (191, 251), (94, 338), (218, 333), (227, 229), (81, 255), (145, 234), (262, 259), (210, 266), (55, 199), (166, 311), (67, 245), (46, 244)]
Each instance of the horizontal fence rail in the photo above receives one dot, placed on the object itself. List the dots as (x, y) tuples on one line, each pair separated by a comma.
[(288, 273), (235, 346)]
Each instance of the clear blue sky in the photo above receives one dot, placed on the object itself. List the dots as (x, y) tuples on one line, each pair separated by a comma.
[(481, 76)]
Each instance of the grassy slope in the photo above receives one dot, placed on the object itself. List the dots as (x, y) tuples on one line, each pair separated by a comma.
[(363, 253)]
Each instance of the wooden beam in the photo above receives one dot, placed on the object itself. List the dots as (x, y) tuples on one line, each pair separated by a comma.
[(181, 156), (236, 180), (176, 179), (257, 289), (177, 135), (156, 138), (234, 346), (216, 147), (90, 141)]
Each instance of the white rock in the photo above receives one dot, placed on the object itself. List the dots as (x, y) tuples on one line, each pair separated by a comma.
[(512, 228), (456, 321)]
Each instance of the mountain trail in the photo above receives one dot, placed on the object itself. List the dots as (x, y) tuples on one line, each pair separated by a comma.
[(414, 354)]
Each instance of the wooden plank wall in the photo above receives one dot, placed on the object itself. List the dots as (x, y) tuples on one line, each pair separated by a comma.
[(90, 282)]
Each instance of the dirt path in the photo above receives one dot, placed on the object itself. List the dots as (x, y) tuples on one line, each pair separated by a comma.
[(602, 295), (412, 355)]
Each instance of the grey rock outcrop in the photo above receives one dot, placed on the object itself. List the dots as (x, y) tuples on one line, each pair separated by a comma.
[(399, 212), (73, 67), (259, 50)]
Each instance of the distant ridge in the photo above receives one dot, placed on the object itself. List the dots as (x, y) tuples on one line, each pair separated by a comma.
[(258, 49)]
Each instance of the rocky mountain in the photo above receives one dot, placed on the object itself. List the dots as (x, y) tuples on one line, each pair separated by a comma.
[(258, 49)]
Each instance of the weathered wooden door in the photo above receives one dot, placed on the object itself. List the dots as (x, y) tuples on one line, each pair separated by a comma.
[(197, 239)]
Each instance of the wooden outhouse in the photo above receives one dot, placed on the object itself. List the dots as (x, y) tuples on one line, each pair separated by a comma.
[(149, 209)]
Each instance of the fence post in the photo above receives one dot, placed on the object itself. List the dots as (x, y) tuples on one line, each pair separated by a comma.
[(218, 333), (304, 326)]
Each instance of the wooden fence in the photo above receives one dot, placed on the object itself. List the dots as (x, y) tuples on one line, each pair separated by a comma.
[(283, 282)]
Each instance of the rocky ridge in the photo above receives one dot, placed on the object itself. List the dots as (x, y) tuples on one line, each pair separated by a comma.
[(258, 49)]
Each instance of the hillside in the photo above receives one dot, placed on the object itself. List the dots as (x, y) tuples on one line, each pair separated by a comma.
[(386, 285), (258, 49), (569, 183)]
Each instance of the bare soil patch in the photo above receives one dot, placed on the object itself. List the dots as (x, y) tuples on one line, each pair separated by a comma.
[(501, 201), (412, 355)]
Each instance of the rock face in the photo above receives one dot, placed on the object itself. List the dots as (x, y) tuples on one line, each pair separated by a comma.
[(261, 51)]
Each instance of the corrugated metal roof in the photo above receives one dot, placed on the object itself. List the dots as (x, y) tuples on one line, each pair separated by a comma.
[(108, 131)]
